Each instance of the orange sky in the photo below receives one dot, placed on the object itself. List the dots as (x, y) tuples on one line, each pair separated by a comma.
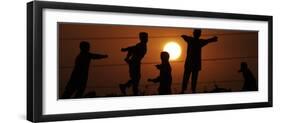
[(105, 75)]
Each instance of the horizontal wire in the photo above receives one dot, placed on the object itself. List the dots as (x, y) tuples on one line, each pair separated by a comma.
[(171, 36), (179, 84), (180, 61)]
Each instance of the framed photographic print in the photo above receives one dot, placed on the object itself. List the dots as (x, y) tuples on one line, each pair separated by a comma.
[(96, 61)]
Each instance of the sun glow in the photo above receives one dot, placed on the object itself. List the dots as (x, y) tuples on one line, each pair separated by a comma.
[(173, 49)]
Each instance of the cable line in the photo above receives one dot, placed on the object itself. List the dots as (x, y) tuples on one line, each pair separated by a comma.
[(151, 37), (180, 61)]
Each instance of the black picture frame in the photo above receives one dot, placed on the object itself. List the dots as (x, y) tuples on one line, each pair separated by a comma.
[(34, 60)]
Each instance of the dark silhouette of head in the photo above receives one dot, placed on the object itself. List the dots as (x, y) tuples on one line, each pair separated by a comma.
[(165, 56), (243, 67), (196, 33), (143, 37), (84, 46)]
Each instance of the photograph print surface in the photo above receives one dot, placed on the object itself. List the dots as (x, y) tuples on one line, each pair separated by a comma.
[(99, 60)]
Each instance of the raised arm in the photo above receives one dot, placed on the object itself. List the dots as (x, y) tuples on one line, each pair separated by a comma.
[(129, 54), (210, 40), (127, 48), (98, 56), (186, 38)]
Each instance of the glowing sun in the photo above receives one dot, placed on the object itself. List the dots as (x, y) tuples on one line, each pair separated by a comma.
[(173, 49)]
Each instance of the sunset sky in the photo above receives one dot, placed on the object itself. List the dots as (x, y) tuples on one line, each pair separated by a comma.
[(220, 63)]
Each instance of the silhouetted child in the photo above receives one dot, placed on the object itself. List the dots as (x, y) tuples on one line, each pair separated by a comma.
[(165, 77), (133, 58), (250, 83), (78, 80), (193, 58)]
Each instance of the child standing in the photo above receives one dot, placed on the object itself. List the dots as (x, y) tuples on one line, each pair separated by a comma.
[(165, 77), (193, 58), (134, 56), (79, 76)]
